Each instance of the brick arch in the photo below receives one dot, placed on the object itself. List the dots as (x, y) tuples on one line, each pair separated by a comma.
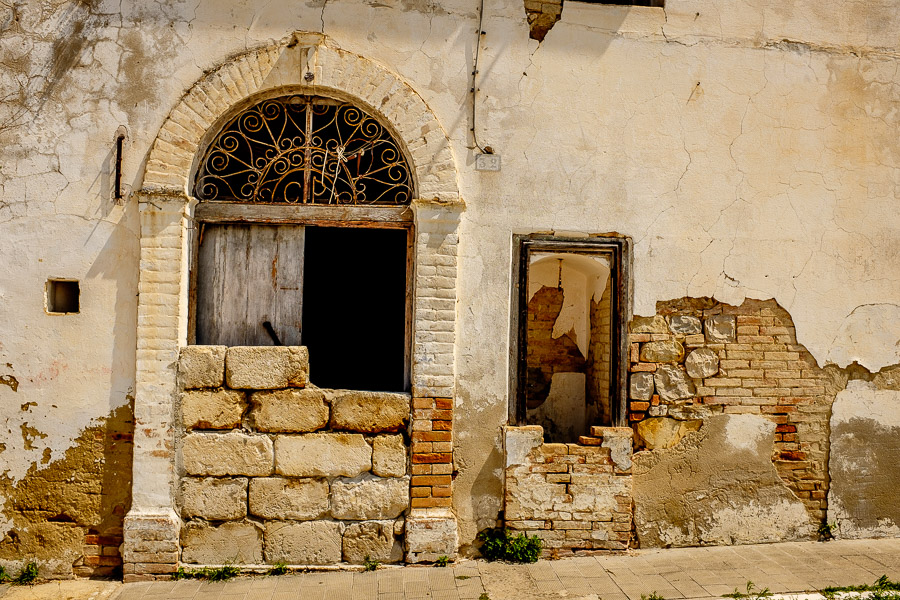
[(265, 71)]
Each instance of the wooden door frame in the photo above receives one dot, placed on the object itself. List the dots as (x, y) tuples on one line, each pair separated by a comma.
[(618, 249), (371, 217)]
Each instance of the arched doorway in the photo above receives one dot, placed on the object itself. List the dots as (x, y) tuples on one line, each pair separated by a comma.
[(174, 218)]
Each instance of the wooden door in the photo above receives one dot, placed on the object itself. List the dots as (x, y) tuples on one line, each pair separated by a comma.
[(250, 285)]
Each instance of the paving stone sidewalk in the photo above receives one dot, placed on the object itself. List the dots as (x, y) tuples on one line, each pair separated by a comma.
[(672, 574)]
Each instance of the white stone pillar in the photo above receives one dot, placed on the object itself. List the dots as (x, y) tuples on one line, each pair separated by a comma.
[(152, 526)]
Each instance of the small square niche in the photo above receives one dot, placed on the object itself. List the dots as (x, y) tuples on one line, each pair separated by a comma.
[(63, 296)]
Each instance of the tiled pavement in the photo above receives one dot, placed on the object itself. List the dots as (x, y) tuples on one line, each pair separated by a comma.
[(672, 574)]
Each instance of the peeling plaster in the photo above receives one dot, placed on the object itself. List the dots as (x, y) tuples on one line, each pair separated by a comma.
[(749, 152)]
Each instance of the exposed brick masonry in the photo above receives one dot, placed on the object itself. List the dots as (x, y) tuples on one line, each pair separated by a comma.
[(761, 370), (575, 497), (432, 453)]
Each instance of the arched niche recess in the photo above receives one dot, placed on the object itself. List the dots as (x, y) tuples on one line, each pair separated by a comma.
[(304, 64)]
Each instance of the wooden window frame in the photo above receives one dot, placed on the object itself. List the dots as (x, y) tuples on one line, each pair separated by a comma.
[(374, 217), (618, 249)]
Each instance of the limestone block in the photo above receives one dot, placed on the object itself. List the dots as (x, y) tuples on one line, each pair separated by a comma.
[(641, 386), (306, 543), (291, 410), (369, 412), (663, 432), (619, 441), (721, 328), (389, 456), (668, 351), (213, 498), (702, 362), (266, 367), (672, 383), (373, 539), (232, 453), (429, 538), (654, 324), (234, 542), (518, 442), (368, 497), (279, 498), (322, 455), (212, 409), (202, 366), (685, 325)]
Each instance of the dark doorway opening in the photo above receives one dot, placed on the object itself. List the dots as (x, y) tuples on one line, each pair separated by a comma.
[(354, 307)]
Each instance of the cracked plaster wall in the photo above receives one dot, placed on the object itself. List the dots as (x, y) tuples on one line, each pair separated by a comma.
[(749, 149)]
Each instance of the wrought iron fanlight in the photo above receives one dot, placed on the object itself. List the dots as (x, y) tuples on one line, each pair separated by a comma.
[(304, 150)]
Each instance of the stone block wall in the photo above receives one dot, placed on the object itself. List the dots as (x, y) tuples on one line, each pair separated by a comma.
[(699, 357), (275, 469), (576, 497)]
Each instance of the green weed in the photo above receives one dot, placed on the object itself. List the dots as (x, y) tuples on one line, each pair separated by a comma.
[(652, 596), (27, 575), (826, 531), (882, 589), (751, 594), (442, 561), (279, 568), (369, 564), (223, 573), (499, 545)]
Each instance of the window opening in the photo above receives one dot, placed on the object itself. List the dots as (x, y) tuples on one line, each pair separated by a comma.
[(63, 296), (304, 150), (569, 337)]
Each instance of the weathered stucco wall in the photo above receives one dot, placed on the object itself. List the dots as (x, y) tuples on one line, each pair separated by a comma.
[(717, 486), (750, 151), (865, 428)]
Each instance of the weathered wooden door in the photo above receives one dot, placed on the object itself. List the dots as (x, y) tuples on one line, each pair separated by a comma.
[(250, 285)]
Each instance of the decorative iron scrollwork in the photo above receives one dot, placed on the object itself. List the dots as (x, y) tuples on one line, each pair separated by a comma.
[(304, 150)]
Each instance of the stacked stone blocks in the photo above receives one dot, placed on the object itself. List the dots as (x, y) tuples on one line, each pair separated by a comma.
[(278, 470), (576, 497), (698, 357)]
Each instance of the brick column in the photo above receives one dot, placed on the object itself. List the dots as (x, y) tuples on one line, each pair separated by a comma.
[(432, 452), (151, 528), (431, 527)]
